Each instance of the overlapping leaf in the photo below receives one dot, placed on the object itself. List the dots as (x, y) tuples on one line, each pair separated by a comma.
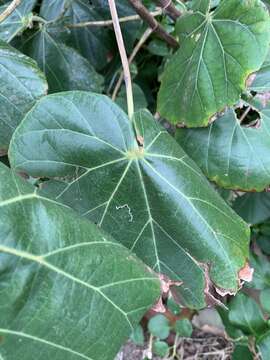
[(261, 82), (63, 66), (233, 155), (153, 198), (19, 19), (68, 291), (218, 51), (254, 208), (21, 84)]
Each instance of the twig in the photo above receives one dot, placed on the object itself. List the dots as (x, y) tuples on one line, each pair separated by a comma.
[(110, 22), (169, 8), (123, 55), (153, 23), (135, 51), (9, 10), (244, 114)]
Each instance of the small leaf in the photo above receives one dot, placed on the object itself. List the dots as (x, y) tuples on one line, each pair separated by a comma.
[(242, 352), (243, 161), (183, 327), (246, 314), (261, 277), (209, 70), (262, 77), (67, 288), (159, 326), (265, 300), (137, 336), (22, 84), (18, 21), (160, 348), (254, 208), (151, 198)]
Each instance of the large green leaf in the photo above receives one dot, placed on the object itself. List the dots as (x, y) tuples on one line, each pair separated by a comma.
[(19, 19), (21, 84), (233, 155), (68, 291), (153, 199), (218, 51), (246, 315), (63, 66)]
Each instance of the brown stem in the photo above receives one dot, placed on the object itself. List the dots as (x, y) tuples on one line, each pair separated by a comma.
[(136, 49), (169, 8), (9, 10), (152, 22), (110, 22)]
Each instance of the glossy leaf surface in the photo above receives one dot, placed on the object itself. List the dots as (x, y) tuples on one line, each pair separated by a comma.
[(64, 67), (153, 198), (18, 21), (21, 84), (218, 50), (68, 290), (231, 154)]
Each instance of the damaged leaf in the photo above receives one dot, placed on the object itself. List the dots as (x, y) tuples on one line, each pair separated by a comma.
[(218, 51), (152, 198), (231, 154)]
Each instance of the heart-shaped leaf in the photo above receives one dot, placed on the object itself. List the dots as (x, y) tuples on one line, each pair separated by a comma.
[(152, 198), (21, 84), (17, 21), (64, 67), (233, 155), (68, 290), (218, 51)]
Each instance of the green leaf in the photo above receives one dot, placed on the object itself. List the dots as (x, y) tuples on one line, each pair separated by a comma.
[(231, 154), (160, 348), (137, 336), (173, 306), (92, 42), (67, 288), (139, 98), (254, 208), (246, 314), (242, 352), (63, 66), (218, 51), (153, 199), (261, 276), (159, 326), (183, 327), (21, 84), (264, 346), (265, 300), (18, 21), (262, 77)]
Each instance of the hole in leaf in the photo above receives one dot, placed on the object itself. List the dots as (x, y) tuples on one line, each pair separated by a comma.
[(248, 116)]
